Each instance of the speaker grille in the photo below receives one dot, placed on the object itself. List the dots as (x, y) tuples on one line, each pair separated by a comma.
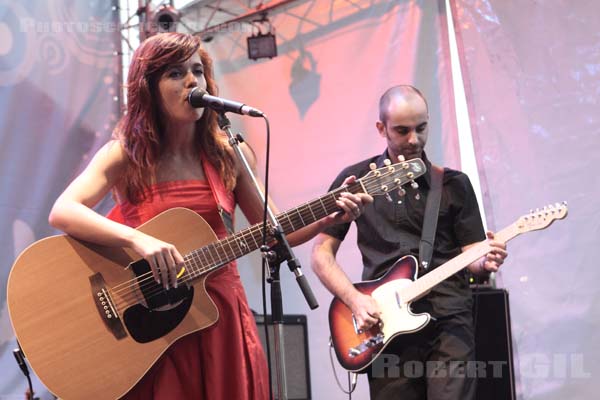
[(295, 345)]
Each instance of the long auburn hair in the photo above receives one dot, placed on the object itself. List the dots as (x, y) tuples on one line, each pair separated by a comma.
[(139, 130)]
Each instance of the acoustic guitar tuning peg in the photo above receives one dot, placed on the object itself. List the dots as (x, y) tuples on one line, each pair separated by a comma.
[(388, 197), (401, 192), (401, 158), (414, 185), (372, 166), (387, 162)]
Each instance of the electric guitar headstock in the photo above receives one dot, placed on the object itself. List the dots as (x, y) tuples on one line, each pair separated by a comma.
[(542, 218), (381, 181)]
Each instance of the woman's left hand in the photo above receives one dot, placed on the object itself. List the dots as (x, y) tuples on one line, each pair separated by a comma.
[(351, 204)]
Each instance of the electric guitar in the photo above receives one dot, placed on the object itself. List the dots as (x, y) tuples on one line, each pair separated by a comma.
[(91, 320), (399, 287)]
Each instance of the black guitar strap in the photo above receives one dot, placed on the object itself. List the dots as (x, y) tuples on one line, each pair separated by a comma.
[(432, 209)]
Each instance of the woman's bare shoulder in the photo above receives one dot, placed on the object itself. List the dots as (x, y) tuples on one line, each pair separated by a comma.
[(110, 157)]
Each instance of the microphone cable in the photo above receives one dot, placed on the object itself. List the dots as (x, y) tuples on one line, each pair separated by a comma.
[(264, 260)]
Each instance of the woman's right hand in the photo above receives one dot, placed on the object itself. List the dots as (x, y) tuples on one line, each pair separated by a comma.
[(164, 259)]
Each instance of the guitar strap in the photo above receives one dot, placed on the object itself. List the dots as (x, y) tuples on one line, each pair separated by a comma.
[(432, 209), (213, 180)]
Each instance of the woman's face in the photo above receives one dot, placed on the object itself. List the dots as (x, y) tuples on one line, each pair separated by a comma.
[(174, 86)]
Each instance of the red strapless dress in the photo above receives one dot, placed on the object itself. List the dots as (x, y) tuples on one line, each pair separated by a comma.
[(226, 360)]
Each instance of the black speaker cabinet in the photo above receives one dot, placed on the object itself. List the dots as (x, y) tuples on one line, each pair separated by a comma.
[(295, 345), (493, 344)]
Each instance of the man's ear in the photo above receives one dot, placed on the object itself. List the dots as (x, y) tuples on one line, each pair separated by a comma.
[(380, 128)]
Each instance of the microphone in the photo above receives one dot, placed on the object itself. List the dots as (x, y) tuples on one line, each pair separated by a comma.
[(199, 98)]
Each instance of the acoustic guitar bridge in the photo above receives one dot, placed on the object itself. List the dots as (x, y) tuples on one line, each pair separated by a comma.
[(105, 306)]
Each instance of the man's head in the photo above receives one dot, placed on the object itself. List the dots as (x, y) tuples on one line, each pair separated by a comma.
[(403, 121)]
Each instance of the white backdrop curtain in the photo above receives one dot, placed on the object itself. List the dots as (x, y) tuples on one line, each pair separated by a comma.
[(532, 74)]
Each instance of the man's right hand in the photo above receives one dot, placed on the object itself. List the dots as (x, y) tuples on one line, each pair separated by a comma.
[(365, 309)]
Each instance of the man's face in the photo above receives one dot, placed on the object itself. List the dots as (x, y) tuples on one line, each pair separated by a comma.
[(406, 127)]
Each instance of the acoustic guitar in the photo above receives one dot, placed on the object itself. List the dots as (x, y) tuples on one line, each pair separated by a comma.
[(91, 320), (399, 287)]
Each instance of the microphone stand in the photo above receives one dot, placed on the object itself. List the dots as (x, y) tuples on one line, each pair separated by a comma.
[(274, 255)]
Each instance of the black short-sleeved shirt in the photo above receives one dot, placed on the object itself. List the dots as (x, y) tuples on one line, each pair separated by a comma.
[(389, 230)]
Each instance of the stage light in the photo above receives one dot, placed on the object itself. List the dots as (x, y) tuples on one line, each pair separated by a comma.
[(167, 18), (262, 45), (163, 19)]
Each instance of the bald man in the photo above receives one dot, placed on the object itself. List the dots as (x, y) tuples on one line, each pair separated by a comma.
[(436, 362)]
